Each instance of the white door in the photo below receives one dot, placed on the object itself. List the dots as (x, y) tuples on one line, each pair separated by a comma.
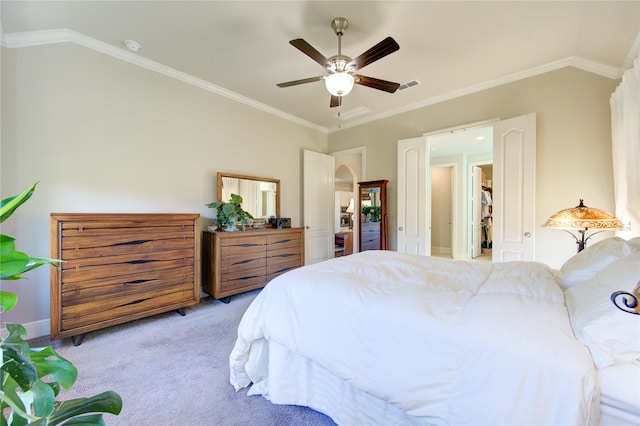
[(476, 206), (514, 165), (318, 206), (414, 197)]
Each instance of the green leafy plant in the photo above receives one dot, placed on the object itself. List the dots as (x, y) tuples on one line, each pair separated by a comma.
[(372, 211), (230, 213), (31, 379)]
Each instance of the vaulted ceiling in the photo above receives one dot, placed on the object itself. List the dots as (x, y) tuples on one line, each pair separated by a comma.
[(241, 49)]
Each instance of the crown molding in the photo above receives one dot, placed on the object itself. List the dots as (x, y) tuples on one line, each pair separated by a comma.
[(39, 38), (573, 61)]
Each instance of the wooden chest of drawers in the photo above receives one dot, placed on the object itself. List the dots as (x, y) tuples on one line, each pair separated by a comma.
[(235, 262), (370, 236), (121, 267)]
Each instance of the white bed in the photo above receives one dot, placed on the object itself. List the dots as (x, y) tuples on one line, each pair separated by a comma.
[(387, 338)]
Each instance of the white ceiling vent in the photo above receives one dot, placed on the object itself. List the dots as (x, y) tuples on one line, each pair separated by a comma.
[(408, 85), (346, 115)]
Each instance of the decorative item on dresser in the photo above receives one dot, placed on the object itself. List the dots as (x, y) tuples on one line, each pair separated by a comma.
[(233, 263), (373, 215), (121, 267)]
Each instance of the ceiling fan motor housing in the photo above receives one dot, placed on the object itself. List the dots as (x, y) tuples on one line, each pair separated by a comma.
[(340, 25)]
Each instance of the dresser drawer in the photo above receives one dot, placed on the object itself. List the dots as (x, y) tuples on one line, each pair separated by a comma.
[(239, 245), (280, 268), (278, 242), (237, 282), (241, 261), (118, 311)]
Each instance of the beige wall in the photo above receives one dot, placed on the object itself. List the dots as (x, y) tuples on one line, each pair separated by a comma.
[(103, 135), (441, 209), (573, 155)]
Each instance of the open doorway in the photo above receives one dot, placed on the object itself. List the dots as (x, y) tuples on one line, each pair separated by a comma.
[(458, 233), (350, 165)]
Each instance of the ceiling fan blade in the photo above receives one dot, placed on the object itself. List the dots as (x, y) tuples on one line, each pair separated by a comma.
[(310, 51), (303, 81), (380, 50), (376, 83), (335, 101)]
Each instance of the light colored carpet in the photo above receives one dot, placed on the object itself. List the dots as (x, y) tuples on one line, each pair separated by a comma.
[(173, 370)]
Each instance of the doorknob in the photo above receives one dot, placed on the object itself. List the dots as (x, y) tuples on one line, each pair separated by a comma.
[(307, 227), (527, 234), (400, 228)]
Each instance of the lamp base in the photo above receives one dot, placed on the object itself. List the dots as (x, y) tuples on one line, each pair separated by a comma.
[(582, 243)]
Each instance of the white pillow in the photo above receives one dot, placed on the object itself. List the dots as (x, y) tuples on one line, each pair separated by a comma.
[(612, 336), (592, 259), (634, 243)]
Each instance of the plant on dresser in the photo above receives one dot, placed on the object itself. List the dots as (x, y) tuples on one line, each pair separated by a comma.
[(30, 379), (229, 214)]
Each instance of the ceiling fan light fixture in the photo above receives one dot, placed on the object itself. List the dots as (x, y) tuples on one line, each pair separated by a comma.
[(339, 84)]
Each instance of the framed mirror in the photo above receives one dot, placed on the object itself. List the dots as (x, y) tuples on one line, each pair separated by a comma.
[(260, 195), (372, 197)]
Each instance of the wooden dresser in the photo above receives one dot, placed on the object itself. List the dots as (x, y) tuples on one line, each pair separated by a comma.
[(343, 243), (121, 267), (370, 232), (235, 262)]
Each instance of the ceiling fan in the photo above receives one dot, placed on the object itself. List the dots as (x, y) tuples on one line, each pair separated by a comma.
[(342, 69)]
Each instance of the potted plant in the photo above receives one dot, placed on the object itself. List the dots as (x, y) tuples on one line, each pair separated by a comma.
[(230, 214), (30, 379)]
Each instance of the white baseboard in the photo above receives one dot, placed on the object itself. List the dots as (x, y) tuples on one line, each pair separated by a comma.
[(34, 329)]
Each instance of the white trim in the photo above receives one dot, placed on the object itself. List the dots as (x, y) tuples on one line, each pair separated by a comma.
[(34, 329), (37, 38), (573, 61), (474, 125)]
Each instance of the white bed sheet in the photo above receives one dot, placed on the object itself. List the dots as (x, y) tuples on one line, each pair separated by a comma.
[(620, 394), (442, 342)]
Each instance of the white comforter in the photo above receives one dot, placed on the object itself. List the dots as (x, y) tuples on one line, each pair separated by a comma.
[(445, 342)]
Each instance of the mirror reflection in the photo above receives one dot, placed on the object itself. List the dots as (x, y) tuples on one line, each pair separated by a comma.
[(370, 203), (260, 196), (373, 215)]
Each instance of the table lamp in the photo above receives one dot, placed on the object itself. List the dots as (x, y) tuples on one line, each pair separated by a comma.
[(582, 218)]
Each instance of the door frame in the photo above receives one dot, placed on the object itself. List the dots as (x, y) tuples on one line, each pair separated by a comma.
[(496, 220), (353, 152)]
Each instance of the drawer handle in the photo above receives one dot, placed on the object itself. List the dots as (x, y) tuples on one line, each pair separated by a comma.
[(248, 277), (242, 262), (138, 262), (281, 270), (137, 282), (131, 243), (285, 255)]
